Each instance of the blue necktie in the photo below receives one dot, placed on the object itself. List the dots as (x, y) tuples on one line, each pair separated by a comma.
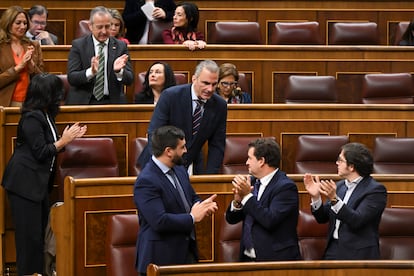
[(180, 190), (248, 221), (197, 116)]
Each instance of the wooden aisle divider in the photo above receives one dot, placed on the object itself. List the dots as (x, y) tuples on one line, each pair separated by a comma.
[(80, 223)]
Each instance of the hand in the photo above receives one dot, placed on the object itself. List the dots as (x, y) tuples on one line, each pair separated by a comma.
[(191, 44), (26, 58), (120, 62), (328, 188), (201, 44), (72, 132), (158, 13), (312, 185), (241, 186), (44, 35), (94, 64), (204, 208)]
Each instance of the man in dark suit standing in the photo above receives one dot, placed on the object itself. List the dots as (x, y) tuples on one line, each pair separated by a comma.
[(180, 105), (167, 205), (98, 65), (354, 206), (269, 208)]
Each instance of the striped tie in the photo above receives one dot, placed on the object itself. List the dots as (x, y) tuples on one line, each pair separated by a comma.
[(197, 116), (98, 90)]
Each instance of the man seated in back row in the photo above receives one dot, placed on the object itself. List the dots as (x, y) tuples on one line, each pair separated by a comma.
[(38, 21)]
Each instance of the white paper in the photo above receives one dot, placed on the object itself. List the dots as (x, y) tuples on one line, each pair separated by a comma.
[(148, 9)]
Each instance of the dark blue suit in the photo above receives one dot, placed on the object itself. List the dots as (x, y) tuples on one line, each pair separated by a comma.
[(275, 219), (175, 108), (164, 236), (360, 218)]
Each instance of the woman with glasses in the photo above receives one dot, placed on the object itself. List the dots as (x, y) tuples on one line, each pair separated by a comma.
[(20, 57), (228, 87)]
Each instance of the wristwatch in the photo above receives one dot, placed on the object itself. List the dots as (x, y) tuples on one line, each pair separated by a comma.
[(334, 200)]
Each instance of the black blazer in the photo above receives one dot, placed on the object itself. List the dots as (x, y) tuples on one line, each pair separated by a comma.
[(135, 19), (79, 61), (275, 219), (360, 218), (175, 107), (29, 171)]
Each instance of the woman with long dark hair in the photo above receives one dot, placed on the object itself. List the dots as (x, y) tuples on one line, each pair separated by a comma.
[(28, 177)]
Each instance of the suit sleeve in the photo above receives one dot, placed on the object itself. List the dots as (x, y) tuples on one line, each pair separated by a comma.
[(216, 143), (76, 69)]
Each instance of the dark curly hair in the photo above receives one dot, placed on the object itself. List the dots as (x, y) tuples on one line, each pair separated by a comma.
[(360, 157)]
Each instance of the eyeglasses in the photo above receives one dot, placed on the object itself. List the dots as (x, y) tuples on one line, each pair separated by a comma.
[(340, 160), (40, 23), (227, 83)]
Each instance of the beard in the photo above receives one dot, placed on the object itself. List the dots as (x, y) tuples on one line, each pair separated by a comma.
[(178, 160)]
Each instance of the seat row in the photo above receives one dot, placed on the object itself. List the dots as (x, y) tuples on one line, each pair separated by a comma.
[(96, 157), (280, 33), (396, 239), (392, 88)]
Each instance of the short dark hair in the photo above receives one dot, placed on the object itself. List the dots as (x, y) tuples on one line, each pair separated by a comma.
[(165, 136), (37, 9), (45, 93), (268, 149), (360, 157)]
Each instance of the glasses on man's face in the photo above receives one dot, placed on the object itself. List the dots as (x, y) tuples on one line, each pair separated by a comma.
[(39, 23), (228, 83)]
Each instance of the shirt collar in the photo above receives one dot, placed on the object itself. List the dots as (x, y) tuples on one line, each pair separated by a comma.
[(96, 42), (194, 96), (353, 183), (266, 179), (164, 168)]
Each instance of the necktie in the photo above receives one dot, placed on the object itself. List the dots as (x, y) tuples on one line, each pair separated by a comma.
[(197, 116), (180, 190), (98, 90), (248, 222)]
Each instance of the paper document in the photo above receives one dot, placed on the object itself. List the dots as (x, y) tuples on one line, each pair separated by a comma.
[(148, 8)]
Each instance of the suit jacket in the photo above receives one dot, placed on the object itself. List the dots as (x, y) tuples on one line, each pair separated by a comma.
[(164, 236), (28, 173), (275, 219), (174, 107), (79, 61), (135, 19), (9, 77), (360, 218)]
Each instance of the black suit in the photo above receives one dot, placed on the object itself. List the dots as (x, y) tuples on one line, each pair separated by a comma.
[(135, 19), (79, 61), (175, 108), (27, 178)]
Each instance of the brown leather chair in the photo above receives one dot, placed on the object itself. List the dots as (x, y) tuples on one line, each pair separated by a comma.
[(135, 148), (180, 78), (245, 83), (311, 89), (399, 31), (393, 155), (83, 28), (87, 158), (235, 154), (394, 88), (291, 33), (312, 236), (229, 241), (396, 232), (318, 153), (121, 238), (155, 31), (354, 33), (235, 33)]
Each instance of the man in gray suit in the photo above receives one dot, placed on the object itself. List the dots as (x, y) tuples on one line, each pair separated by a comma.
[(98, 65), (37, 30)]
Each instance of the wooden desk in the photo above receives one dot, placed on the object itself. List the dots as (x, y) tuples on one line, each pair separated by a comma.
[(268, 66), (294, 268)]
